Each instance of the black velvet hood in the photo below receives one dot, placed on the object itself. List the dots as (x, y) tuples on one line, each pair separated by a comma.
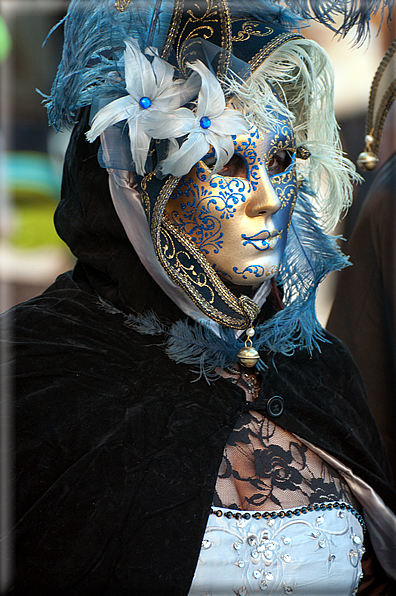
[(117, 448)]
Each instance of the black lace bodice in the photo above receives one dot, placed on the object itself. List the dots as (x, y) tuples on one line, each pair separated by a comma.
[(265, 467)]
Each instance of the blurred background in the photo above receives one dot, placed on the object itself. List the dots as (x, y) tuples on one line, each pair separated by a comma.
[(31, 153)]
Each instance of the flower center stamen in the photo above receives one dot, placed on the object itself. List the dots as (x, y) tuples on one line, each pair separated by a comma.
[(205, 122), (145, 102)]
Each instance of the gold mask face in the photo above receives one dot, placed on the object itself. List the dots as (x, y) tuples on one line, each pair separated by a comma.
[(239, 218)]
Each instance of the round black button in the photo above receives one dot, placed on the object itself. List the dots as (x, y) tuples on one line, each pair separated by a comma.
[(275, 406)]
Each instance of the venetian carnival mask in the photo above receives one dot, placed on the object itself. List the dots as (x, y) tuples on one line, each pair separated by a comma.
[(239, 218), (159, 77)]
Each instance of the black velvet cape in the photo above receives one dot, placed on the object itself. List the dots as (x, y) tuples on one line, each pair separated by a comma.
[(117, 448)]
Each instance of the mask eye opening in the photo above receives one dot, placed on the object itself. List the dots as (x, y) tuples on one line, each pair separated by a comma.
[(236, 167), (287, 165)]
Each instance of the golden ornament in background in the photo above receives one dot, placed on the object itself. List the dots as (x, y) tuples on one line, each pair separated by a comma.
[(367, 161)]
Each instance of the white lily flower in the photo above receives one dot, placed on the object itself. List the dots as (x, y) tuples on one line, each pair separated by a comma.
[(212, 124), (151, 90)]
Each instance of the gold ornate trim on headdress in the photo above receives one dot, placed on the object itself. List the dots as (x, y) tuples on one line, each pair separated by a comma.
[(278, 41), (204, 18), (249, 29), (382, 95), (121, 5)]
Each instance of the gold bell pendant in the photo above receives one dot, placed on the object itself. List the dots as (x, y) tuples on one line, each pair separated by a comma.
[(248, 356), (367, 160)]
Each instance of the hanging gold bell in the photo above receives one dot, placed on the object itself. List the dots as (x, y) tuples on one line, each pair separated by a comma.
[(248, 356), (367, 161)]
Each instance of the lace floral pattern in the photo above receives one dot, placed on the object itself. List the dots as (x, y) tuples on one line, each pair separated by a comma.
[(266, 468)]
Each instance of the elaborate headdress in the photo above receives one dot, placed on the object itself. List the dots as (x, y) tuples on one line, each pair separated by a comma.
[(169, 79)]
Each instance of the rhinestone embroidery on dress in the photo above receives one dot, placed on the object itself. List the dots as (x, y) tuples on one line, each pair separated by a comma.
[(281, 552)]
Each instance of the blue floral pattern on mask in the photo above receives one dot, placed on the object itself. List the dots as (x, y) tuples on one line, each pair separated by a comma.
[(232, 218)]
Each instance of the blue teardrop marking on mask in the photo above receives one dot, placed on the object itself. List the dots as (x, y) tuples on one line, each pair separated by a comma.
[(145, 102), (205, 122)]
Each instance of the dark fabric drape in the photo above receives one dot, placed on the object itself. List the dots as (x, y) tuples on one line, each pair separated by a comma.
[(364, 310), (117, 446)]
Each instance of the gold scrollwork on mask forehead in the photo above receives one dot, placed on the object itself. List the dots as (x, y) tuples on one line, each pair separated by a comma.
[(249, 29), (121, 5)]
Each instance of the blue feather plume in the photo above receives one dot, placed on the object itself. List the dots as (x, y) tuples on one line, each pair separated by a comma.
[(189, 342), (94, 41)]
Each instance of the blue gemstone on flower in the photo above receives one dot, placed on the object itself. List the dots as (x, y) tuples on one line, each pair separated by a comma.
[(205, 122), (145, 102)]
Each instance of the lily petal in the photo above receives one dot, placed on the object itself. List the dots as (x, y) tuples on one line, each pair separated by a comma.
[(163, 71), (173, 146), (140, 144), (180, 93), (230, 122), (120, 109), (192, 150), (224, 149), (164, 126), (139, 75), (211, 101)]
